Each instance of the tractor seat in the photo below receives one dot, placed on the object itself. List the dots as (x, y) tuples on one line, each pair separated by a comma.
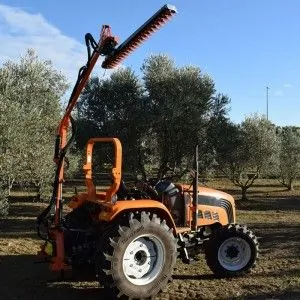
[(123, 191)]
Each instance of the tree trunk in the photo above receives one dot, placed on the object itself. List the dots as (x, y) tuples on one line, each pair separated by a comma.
[(141, 167), (10, 185), (38, 194), (244, 191), (290, 185)]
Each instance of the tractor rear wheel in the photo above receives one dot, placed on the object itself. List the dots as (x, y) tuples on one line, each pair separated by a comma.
[(136, 257), (231, 251)]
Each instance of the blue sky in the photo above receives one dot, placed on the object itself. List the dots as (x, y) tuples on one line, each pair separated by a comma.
[(243, 45)]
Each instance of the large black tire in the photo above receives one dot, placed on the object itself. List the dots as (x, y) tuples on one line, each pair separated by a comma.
[(231, 251), (136, 257), (82, 261)]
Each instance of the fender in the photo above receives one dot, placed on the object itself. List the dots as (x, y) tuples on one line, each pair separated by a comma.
[(112, 211)]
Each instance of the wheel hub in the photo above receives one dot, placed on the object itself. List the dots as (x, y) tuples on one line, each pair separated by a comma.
[(234, 253), (140, 257), (142, 260)]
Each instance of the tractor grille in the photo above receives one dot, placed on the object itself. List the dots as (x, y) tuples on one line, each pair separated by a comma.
[(228, 207)]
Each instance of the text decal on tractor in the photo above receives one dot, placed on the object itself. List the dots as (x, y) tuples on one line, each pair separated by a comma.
[(131, 238)]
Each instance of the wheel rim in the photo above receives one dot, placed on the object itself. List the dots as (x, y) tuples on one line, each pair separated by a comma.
[(234, 254), (143, 259)]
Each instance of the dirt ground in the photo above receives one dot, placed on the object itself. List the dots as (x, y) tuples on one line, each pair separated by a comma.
[(273, 214)]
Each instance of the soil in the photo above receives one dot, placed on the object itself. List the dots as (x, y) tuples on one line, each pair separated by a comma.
[(273, 216)]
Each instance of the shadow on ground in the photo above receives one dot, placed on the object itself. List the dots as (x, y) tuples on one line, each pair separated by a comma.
[(21, 220), (23, 278), (26, 279), (268, 203)]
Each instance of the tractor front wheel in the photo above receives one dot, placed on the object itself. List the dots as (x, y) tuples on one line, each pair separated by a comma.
[(231, 251), (136, 257)]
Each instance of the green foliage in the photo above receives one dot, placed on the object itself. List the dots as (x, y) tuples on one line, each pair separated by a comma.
[(73, 163), (288, 167), (247, 150), (158, 119), (179, 102), (12, 158), (4, 205), (218, 129), (114, 107), (30, 91)]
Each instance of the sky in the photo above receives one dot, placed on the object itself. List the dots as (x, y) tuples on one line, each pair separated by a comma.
[(244, 46)]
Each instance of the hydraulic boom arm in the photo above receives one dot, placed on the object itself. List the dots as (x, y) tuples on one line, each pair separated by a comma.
[(106, 46)]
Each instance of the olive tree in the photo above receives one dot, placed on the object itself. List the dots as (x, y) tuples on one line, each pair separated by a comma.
[(179, 101), (30, 92), (247, 150), (288, 168), (115, 107)]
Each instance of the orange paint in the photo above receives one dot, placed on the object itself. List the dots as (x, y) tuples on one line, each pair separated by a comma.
[(115, 172), (62, 131), (111, 211)]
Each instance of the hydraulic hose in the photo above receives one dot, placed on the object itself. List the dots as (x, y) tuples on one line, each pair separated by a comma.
[(42, 218)]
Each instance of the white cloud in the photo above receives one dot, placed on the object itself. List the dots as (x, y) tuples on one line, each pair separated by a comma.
[(287, 85), (278, 93), (20, 30)]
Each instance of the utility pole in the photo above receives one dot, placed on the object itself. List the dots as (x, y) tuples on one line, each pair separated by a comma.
[(267, 88)]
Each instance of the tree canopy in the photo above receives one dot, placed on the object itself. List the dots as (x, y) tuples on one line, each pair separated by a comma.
[(159, 115), (30, 92), (159, 118), (288, 166)]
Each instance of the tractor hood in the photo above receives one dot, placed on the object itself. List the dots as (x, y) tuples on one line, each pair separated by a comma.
[(215, 198), (205, 191)]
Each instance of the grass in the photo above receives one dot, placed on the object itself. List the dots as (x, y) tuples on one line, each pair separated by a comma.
[(271, 212)]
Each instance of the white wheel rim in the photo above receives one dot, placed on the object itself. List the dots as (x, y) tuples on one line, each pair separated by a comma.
[(234, 254), (143, 259)]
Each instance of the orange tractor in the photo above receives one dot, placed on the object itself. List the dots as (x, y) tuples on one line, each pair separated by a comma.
[(133, 237)]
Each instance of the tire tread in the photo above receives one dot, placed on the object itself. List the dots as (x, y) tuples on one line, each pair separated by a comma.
[(111, 242)]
